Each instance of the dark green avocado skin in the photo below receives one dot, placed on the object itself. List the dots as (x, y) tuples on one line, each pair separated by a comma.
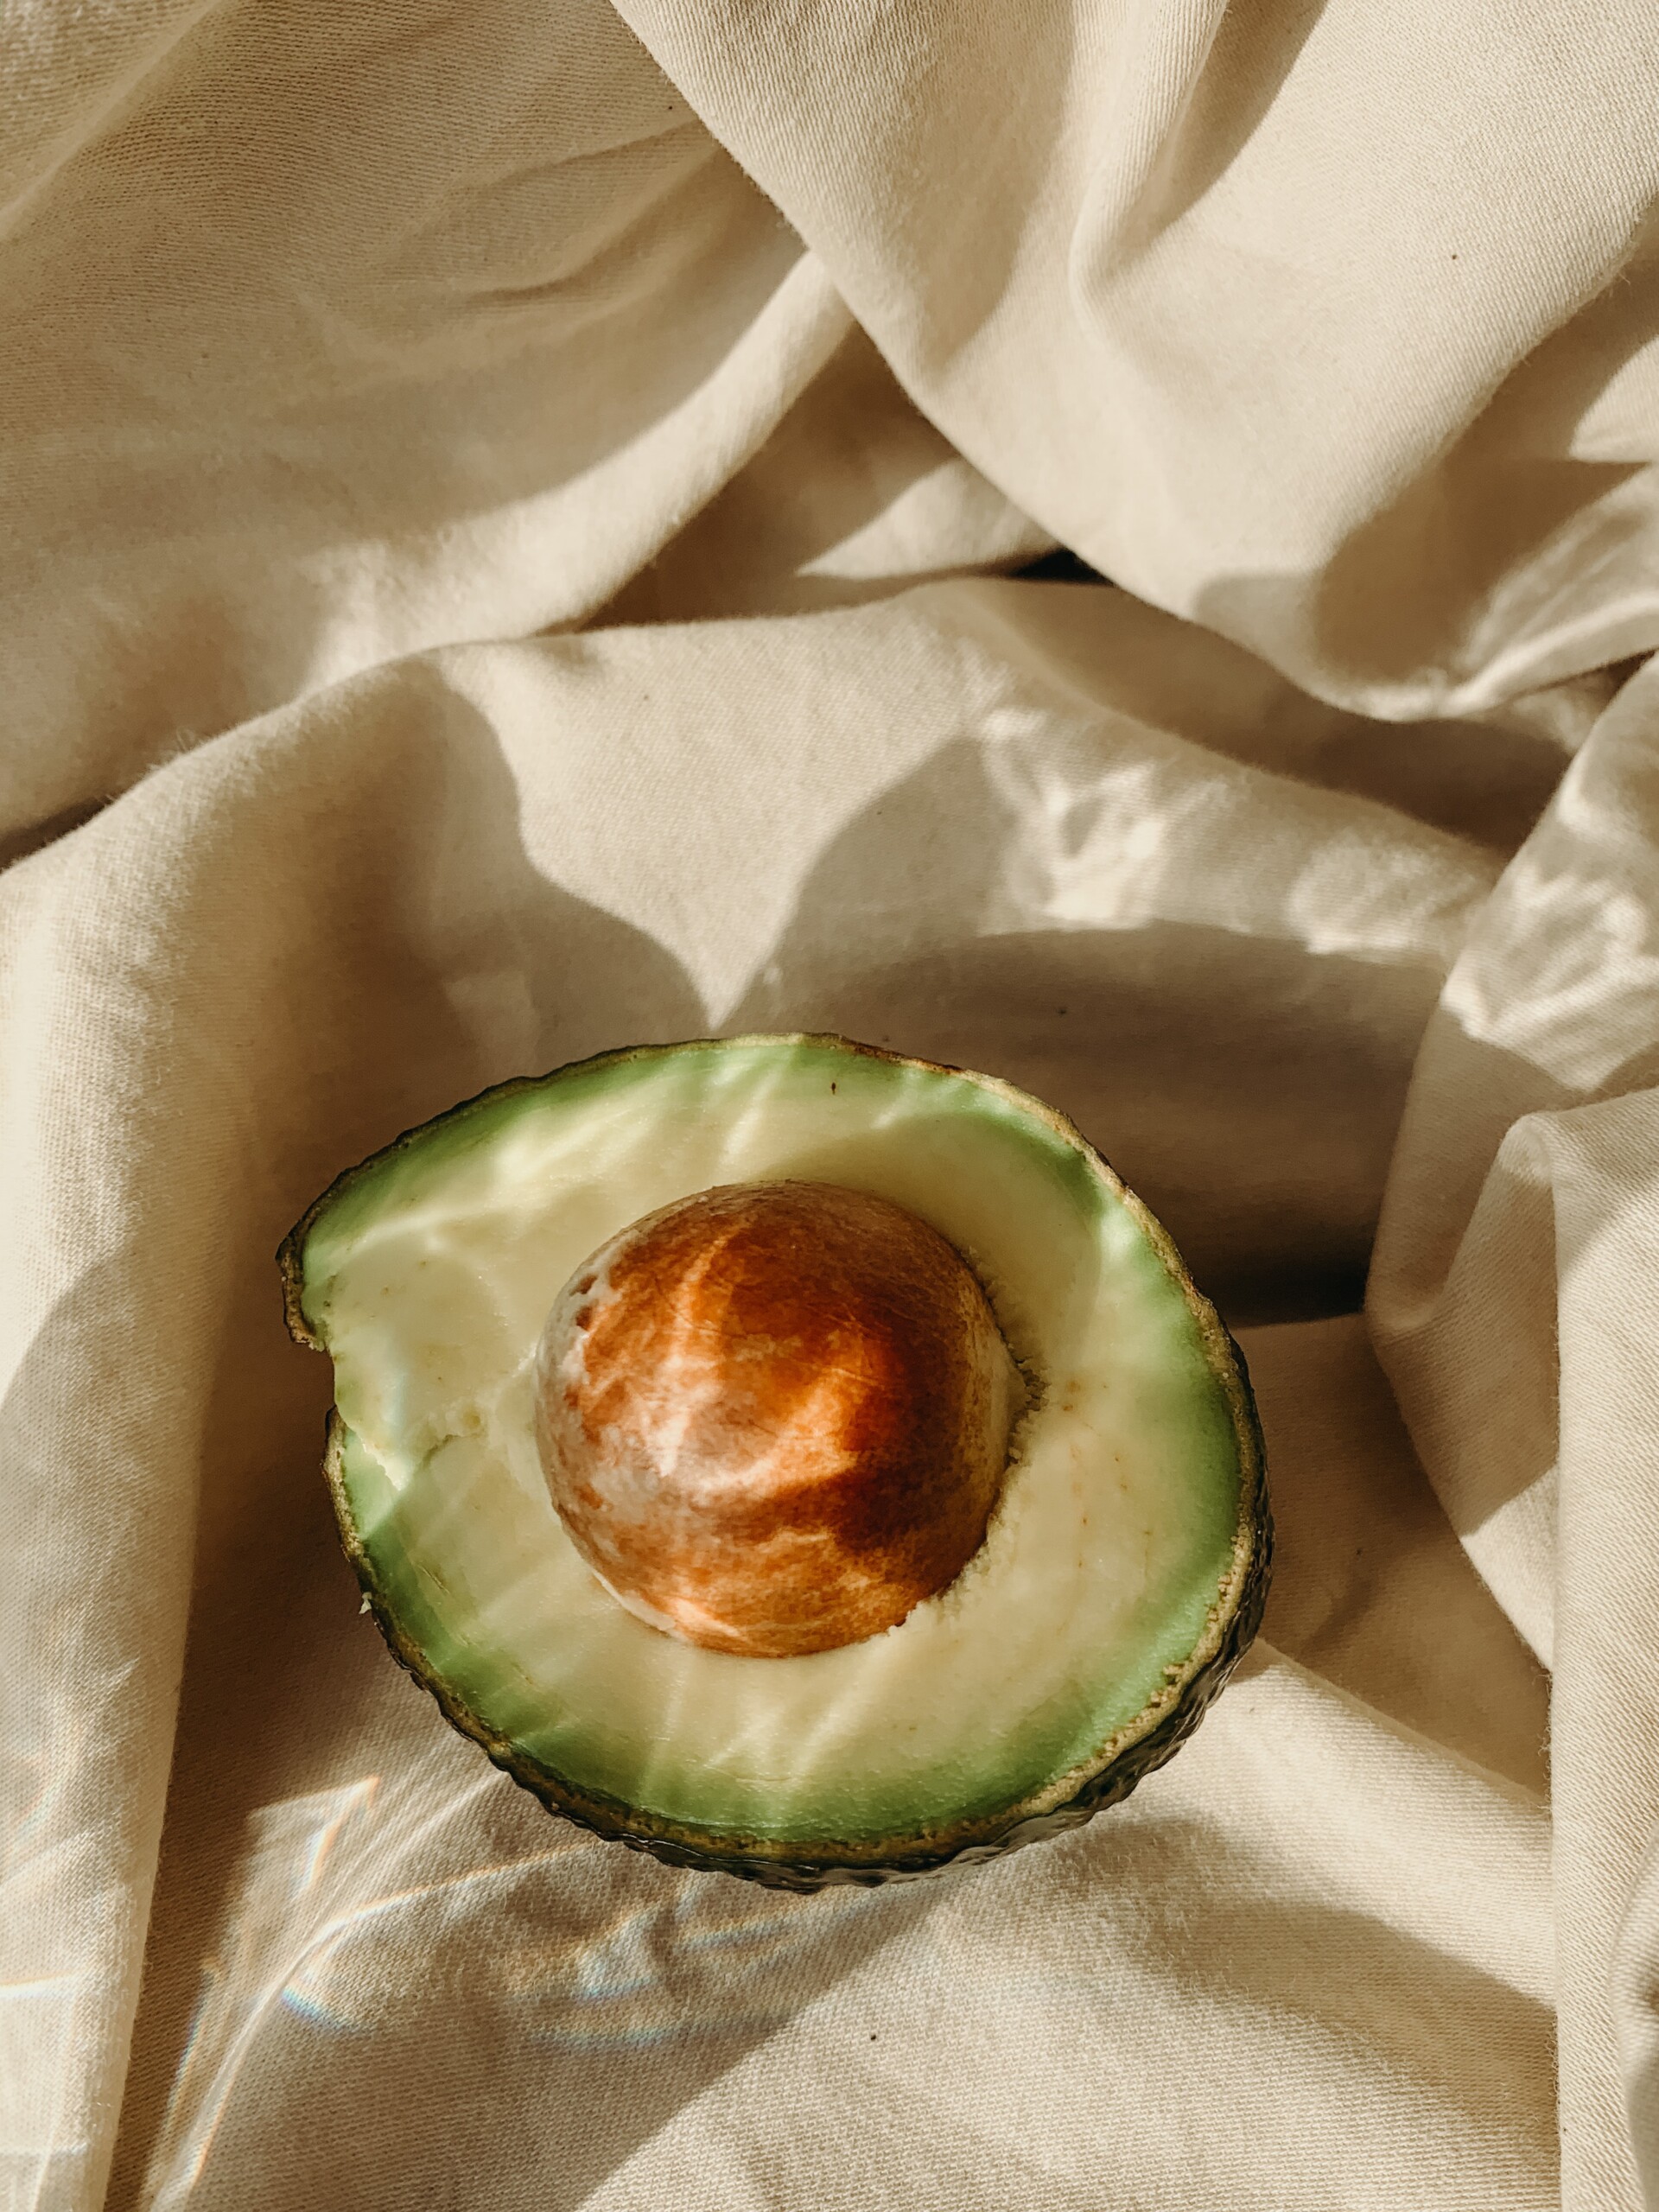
[(831, 1861)]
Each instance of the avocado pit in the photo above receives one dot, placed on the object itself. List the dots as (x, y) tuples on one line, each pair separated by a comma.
[(774, 1417)]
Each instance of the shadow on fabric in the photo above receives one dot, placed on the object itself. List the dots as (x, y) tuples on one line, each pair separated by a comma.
[(1463, 590), (1254, 49), (1493, 1424), (1247, 1088), (1183, 1897)]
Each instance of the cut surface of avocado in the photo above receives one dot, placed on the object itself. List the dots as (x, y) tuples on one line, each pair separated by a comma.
[(1123, 1571)]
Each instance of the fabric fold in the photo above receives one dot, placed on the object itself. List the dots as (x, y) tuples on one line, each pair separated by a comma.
[(1236, 304)]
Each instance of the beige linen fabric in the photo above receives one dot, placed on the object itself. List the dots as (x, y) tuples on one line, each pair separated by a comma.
[(343, 331), (476, 591), (1273, 309)]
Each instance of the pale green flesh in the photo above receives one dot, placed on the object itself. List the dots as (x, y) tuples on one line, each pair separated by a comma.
[(429, 1277)]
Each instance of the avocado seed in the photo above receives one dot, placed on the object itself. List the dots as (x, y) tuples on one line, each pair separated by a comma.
[(774, 1417)]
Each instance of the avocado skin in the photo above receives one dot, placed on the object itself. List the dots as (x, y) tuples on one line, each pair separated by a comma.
[(1155, 1737)]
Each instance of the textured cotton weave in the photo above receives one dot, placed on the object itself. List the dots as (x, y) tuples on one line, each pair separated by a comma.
[(510, 535)]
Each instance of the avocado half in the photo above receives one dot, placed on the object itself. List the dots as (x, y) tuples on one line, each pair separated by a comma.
[(1123, 1573)]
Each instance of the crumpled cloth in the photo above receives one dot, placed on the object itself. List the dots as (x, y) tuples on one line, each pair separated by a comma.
[(511, 535)]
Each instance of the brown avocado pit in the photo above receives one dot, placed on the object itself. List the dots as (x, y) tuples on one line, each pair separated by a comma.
[(774, 1417)]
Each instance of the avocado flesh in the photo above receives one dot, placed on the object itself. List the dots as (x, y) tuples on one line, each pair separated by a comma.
[(1123, 1571)]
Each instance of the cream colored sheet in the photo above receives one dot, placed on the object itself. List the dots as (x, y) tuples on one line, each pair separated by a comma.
[(493, 516)]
